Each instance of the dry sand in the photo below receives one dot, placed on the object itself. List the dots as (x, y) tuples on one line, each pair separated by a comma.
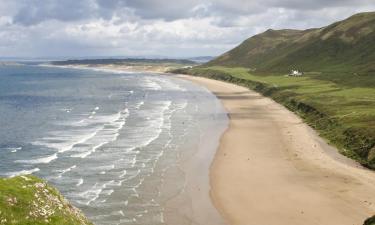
[(271, 168)]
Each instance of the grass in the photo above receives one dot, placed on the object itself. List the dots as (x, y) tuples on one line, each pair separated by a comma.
[(346, 46), (28, 200), (370, 221), (343, 113)]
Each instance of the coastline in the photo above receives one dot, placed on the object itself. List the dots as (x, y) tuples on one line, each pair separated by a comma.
[(189, 203), (271, 168)]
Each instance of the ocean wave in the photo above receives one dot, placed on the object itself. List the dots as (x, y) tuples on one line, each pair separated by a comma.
[(151, 84), (80, 182), (22, 172), (91, 195), (169, 85), (138, 105), (107, 134), (42, 160), (13, 149), (62, 172), (96, 190), (65, 141), (123, 174), (153, 128)]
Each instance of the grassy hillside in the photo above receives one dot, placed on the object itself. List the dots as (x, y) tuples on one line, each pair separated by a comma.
[(336, 94), (345, 116), (347, 46), (29, 200)]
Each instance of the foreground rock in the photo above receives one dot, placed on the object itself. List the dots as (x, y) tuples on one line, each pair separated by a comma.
[(30, 200)]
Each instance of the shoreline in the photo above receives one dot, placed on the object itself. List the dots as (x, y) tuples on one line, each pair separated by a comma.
[(192, 203), (271, 168)]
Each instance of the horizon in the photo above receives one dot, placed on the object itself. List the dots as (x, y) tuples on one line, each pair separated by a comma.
[(118, 28)]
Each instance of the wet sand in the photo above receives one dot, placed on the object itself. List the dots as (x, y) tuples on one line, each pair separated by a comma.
[(271, 168)]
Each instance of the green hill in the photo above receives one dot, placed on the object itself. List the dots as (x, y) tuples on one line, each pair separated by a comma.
[(29, 200), (336, 94), (346, 46)]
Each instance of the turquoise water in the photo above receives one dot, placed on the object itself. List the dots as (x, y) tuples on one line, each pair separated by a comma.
[(106, 140)]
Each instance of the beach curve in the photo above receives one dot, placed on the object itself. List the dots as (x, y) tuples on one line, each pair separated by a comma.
[(271, 168)]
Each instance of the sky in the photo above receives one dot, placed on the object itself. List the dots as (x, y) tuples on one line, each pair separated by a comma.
[(169, 28)]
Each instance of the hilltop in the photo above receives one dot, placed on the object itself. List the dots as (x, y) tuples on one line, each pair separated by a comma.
[(344, 46), (29, 200)]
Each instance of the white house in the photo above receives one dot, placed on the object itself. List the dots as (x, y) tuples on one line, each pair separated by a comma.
[(295, 73)]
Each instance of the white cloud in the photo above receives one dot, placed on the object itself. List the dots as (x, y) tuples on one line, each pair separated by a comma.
[(154, 27)]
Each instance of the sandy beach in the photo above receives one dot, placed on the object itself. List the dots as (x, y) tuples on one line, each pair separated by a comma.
[(271, 168)]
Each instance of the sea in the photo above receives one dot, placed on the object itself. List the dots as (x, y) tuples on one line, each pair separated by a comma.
[(109, 141)]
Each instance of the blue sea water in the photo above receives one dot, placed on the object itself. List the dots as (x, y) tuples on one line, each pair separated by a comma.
[(105, 139)]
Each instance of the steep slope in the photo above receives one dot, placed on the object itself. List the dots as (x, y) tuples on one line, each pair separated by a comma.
[(29, 200), (345, 46)]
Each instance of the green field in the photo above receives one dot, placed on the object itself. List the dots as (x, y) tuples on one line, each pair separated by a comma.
[(343, 112), (28, 200)]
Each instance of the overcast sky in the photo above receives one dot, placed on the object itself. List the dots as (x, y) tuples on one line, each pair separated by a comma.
[(174, 28)]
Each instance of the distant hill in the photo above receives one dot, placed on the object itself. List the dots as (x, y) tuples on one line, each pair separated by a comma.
[(201, 59), (345, 46), (122, 61)]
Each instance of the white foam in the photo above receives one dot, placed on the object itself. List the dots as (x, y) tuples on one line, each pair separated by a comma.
[(154, 126), (43, 160), (85, 154), (80, 182), (95, 191), (123, 174), (14, 150), (65, 142), (171, 86), (62, 172), (138, 105), (107, 192), (92, 194), (22, 172), (151, 84), (106, 135)]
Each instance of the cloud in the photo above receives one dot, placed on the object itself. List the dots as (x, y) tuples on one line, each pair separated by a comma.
[(154, 27)]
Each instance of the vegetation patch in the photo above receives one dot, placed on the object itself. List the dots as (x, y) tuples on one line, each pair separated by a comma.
[(28, 200), (370, 221)]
